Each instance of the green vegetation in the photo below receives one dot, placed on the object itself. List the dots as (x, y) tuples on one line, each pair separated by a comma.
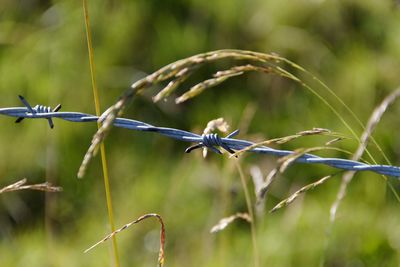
[(352, 46)]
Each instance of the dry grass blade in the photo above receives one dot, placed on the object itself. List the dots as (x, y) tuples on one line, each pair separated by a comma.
[(335, 140), (200, 87), (371, 125), (141, 218), (314, 131), (224, 222), (257, 177), (20, 185), (266, 184), (220, 77), (290, 199), (238, 70), (181, 77), (285, 139), (284, 163), (218, 124), (258, 180), (100, 135)]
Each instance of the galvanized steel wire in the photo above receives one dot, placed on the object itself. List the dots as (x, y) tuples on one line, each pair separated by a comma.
[(211, 141)]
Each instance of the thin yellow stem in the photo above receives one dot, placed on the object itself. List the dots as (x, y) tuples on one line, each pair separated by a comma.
[(102, 147), (251, 214)]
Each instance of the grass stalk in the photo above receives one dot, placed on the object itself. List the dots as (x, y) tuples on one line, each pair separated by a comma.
[(251, 214), (102, 147)]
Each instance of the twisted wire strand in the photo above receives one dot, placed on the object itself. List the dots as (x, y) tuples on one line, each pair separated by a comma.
[(211, 141)]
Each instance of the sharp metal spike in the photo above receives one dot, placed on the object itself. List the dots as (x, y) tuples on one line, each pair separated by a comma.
[(57, 108), (216, 150), (227, 148), (191, 148), (51, 124), (29, 107), (233, 134), (19, 119)]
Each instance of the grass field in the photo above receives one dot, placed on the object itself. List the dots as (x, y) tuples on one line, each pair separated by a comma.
[(321, 64)]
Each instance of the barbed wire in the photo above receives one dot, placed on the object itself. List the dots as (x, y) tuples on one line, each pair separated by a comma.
[(211, 141)]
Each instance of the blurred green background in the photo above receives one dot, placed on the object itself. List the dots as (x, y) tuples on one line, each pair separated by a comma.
[(352, 45)]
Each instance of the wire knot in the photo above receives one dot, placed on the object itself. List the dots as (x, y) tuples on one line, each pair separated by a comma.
[(41, 109), (38, 109), (211, 141)]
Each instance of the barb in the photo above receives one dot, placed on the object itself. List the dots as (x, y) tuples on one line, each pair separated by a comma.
[(211, 141)]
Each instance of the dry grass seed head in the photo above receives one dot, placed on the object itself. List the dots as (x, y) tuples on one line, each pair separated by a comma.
[(161, 256), (283, 164), (304, 189), (20, 185), (224, 222), (371, 125), (175, 71), (285, 139)]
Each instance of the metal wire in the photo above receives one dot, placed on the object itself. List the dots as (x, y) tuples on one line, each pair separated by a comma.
[(211, 141)]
